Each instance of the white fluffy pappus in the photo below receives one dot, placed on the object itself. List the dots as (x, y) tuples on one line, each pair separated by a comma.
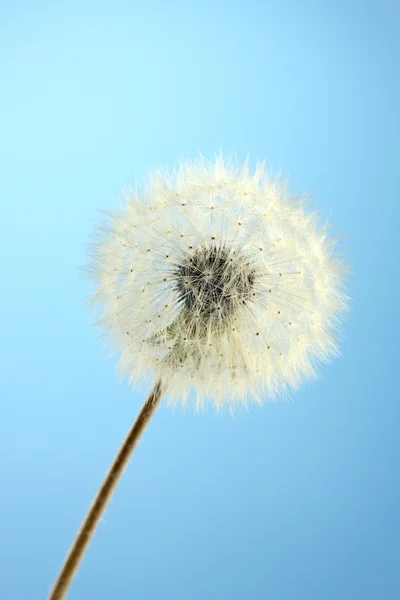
[(214, 279)]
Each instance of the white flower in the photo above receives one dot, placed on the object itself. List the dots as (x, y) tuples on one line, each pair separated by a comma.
[(214, 278)]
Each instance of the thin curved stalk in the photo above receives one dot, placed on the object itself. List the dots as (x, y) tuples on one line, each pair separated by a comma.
[(96, 510)]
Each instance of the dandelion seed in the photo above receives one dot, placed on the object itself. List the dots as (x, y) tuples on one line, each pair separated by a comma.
[(260, 258)]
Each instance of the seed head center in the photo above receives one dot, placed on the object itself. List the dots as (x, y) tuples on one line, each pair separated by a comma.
[(213, 280)]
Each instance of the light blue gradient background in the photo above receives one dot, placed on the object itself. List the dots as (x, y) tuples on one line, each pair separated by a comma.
[(294, 501)]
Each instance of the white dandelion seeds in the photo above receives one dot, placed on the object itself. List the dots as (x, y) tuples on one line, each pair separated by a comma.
[(216, 280)]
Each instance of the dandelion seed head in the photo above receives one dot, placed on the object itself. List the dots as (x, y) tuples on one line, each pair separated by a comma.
[(217, 280)]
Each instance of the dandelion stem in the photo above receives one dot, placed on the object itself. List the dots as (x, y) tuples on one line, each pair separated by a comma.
[(89, 524)]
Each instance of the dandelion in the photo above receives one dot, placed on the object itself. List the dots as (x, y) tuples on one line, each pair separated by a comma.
[(216, 283)]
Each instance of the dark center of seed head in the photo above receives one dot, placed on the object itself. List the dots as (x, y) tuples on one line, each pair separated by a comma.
[(214, 281)]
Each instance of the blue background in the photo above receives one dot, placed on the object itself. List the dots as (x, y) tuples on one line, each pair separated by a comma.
[(296, 500)]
